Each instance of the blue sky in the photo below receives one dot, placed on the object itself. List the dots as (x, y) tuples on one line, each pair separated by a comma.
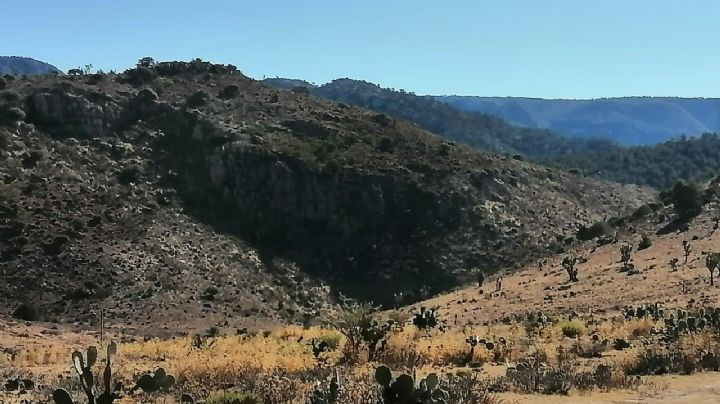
[(535, 48)]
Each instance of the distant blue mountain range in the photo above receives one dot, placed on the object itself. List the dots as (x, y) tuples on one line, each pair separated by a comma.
[(629, 121), (21, 65)]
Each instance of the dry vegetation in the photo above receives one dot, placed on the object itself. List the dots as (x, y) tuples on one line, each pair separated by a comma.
[(606, 319)]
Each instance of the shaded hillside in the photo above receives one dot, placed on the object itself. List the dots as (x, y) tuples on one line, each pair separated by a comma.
[(17, 65), (658, 166), (214, 196), (629, 120)]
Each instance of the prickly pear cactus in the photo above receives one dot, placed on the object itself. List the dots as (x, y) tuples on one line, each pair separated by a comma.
[(83, 367), (158, 381), (404, 391)]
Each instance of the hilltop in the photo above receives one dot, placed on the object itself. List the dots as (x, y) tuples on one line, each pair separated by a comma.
[(17, 65), (186, 193)]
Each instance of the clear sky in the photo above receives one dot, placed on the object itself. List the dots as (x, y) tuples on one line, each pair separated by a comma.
[(535, 48)]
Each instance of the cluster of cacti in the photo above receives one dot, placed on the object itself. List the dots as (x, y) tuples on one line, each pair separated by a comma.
[(537, 319), (158, 381), (426, 319), (328, 395), (569, 264), (647, 310), (625, 257), (403, 390), (19, 385), (683, 322), (83, 367), (374, 335), (474, 341)]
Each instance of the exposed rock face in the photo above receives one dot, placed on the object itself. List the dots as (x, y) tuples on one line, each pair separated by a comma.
[(77, 115)]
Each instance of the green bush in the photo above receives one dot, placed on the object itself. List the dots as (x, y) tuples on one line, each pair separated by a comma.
[(686, 199), (645, 243), (332, 339), (572, 328), (641, 212)]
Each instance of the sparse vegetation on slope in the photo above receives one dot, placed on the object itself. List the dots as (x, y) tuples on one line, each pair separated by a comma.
[(660, 166), (195, 177)]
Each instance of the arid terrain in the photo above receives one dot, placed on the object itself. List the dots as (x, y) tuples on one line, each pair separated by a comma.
[(215, 237)]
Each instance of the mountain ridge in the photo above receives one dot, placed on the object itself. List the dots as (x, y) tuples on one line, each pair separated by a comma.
[(629, 120)]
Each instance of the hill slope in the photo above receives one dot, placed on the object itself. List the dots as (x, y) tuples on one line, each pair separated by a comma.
[(17, 65), (660, 166), (216, 197), (603, 288), (629, 121)]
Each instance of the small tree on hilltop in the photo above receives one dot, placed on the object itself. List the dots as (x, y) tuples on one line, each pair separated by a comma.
[(569, 264), (146, 62)]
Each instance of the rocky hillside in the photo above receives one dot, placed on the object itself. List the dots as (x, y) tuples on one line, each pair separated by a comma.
[(185, 192), (19, 66)]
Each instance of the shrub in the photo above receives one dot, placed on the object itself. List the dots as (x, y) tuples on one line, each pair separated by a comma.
[(641, 212), (572, 328), (138, 76), (466, 387), (129, 175), (3, 83), (229, 92), (686, 199), (357, 323), (644, 243), (662, 360), (301, 90), (26, 312), (598, 229), (197, 99), (12, 115), (332, 339)]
